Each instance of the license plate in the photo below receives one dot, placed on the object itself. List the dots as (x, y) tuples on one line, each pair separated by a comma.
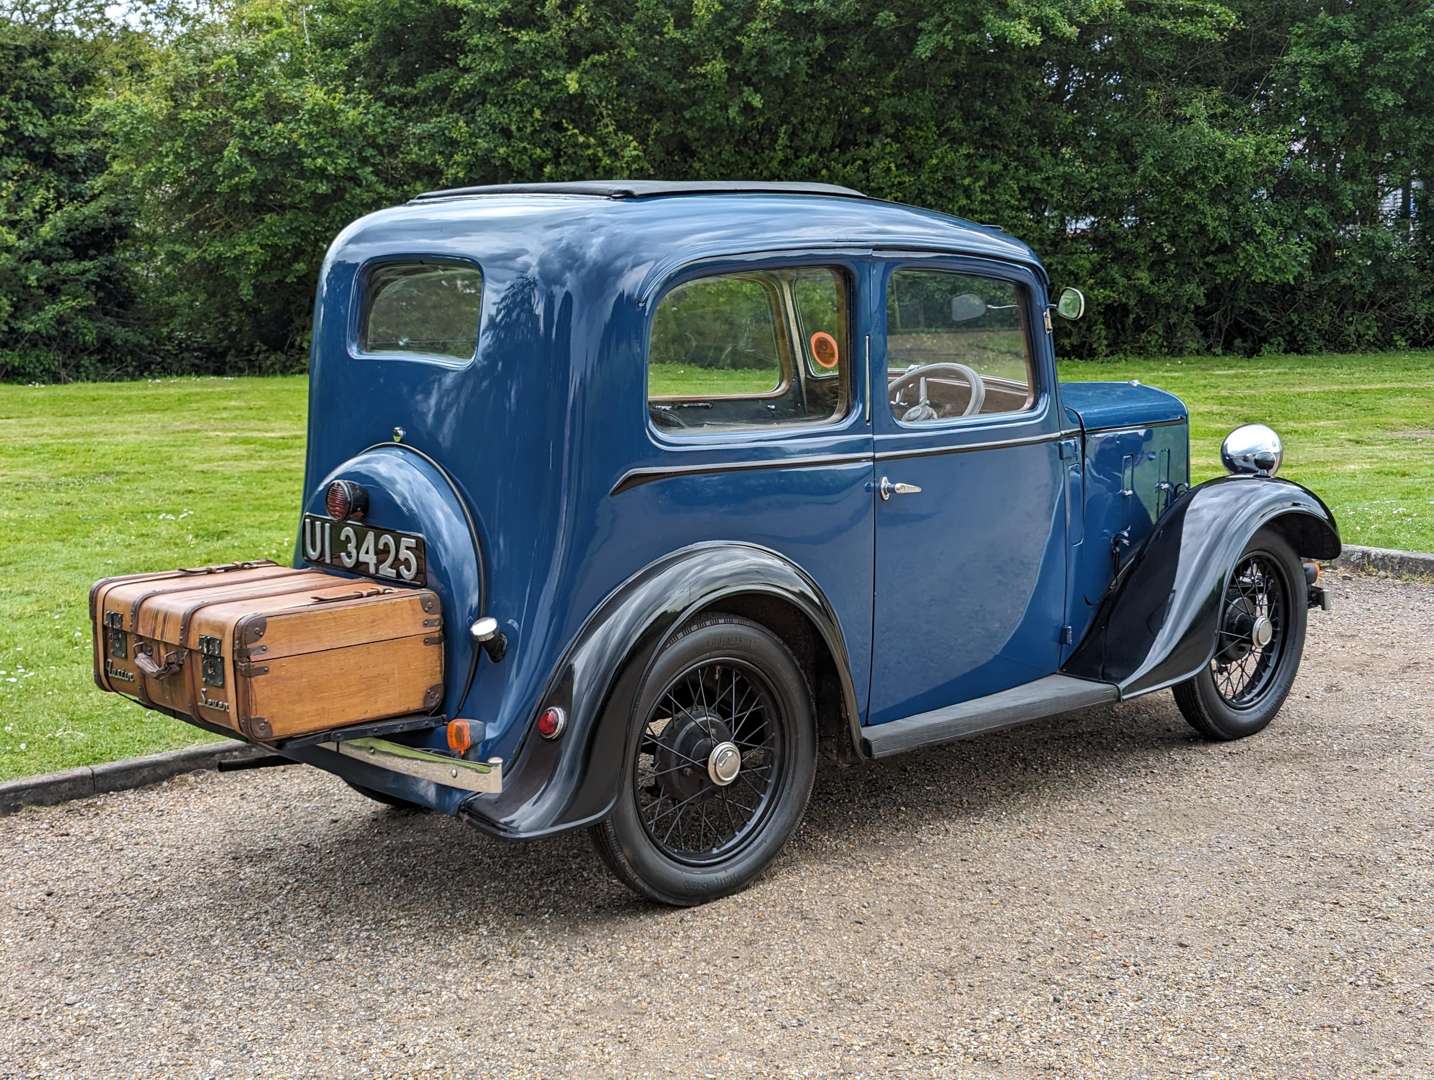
[(379, 553)]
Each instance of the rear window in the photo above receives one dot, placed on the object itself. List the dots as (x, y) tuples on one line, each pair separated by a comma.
[(423, 309)]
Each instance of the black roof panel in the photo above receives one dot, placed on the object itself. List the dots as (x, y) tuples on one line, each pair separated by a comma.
[(639, 189)]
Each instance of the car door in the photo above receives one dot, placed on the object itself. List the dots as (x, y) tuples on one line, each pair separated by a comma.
[(757, 429), (970, 546)]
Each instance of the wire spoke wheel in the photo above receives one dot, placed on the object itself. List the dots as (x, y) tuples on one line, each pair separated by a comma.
[(723, 751), (1259, 637), (711, 757), (1253, 634)]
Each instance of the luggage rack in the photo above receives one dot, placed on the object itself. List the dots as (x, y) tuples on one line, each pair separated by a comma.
[(373, 729)]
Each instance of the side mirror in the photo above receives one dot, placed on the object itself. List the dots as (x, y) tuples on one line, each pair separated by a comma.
[(1071, 304), (966, 307)]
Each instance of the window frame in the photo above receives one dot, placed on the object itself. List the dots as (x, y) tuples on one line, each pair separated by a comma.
[(846, 266), (777, 309), (1039, 390), (362, 297)]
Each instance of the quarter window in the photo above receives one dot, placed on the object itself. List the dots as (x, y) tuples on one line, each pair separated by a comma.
[(755, 349), (428, 309), (956, 345)]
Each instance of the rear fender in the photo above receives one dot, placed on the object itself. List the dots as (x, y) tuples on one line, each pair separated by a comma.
[(411, 492), (574, 780), (1156, 624)]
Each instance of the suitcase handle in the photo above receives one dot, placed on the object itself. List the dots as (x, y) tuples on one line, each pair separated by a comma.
[(361, 594), (253, 565), (154, 670)]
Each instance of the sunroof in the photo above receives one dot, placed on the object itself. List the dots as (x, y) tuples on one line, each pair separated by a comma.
[(640, 189)]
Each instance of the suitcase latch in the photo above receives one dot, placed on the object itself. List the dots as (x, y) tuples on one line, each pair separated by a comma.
[(211, 664), (172, 663), (115, 635)]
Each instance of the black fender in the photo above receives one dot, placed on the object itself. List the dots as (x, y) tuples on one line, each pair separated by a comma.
[(1157, 622), (574, 780)]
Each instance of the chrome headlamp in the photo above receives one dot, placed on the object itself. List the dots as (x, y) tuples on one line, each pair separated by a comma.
[(1252, 449)]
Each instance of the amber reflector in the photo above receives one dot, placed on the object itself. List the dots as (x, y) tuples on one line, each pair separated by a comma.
[(460, 736)]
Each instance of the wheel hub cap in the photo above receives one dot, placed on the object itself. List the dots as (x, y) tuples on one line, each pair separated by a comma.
[(724, 763), (689, 758), (1261, 631)]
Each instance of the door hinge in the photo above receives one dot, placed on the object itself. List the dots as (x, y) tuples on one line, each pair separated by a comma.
[(1068, 449), (1067, 635), (1050, 328)]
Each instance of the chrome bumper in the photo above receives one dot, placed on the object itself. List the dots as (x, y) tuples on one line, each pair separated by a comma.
[(481, 776)]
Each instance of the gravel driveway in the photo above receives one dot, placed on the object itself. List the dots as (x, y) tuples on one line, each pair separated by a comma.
[(1098, 896)]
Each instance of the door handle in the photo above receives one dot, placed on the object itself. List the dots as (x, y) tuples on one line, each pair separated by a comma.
[(888, 488)]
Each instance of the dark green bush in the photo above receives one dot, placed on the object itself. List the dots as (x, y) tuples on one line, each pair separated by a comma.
[(1228, 177)]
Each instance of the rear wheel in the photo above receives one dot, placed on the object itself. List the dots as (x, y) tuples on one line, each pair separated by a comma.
[(1260, 637), (721, 765)]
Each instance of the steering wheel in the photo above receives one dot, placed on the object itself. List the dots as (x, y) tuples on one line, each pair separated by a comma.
[(902, 381)]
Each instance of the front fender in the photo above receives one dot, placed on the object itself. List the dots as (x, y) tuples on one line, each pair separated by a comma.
[(574, 780), (1157, 622)]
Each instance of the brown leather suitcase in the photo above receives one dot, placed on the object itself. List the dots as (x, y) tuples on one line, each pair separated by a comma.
[(268, 651)]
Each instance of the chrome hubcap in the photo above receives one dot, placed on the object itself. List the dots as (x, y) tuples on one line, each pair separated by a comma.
[(1261, 632), (724, 763)]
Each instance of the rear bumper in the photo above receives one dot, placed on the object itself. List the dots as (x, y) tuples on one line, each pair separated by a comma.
[(482, 777), (416, 775)]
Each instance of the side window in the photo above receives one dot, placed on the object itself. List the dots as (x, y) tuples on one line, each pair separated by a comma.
[(956, 345), (428, 309), (760, 348)]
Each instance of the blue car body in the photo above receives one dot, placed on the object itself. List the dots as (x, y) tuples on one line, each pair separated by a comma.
[(551, 502)]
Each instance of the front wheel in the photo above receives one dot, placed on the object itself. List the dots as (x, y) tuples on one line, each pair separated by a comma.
[(1260, 636), (721, 765)]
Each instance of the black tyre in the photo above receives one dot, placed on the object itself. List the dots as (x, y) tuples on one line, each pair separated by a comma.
[(381, 797), (721, 767), (1261, 635)]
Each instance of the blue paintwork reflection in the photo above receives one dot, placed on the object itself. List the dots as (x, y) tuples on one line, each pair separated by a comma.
[(967, 590), (538, 429)]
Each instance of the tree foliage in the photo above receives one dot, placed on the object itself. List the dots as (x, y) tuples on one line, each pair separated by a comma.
[(1219, 175), (67, 297)]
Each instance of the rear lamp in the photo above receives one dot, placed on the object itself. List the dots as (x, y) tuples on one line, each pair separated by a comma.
[(345, 499), (551, 722), (460, 736)]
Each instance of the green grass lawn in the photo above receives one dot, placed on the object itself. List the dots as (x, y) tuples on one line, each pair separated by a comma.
[(102, 479)]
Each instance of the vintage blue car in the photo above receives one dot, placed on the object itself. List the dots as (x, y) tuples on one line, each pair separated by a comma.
[(721, 479)]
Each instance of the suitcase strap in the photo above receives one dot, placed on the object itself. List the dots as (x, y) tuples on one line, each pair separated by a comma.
[(276, 586), (360, 595), (187, 576)]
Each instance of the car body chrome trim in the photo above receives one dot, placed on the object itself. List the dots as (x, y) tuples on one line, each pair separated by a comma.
[(967, 448), (480, 776), (1137, 426), (634, 477), (866, 407)]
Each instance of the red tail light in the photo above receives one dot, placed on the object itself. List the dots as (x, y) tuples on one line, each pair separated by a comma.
[(345, 499), (551, 722)]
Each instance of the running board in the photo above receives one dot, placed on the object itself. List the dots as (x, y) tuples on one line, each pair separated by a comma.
[(1033, 701)]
